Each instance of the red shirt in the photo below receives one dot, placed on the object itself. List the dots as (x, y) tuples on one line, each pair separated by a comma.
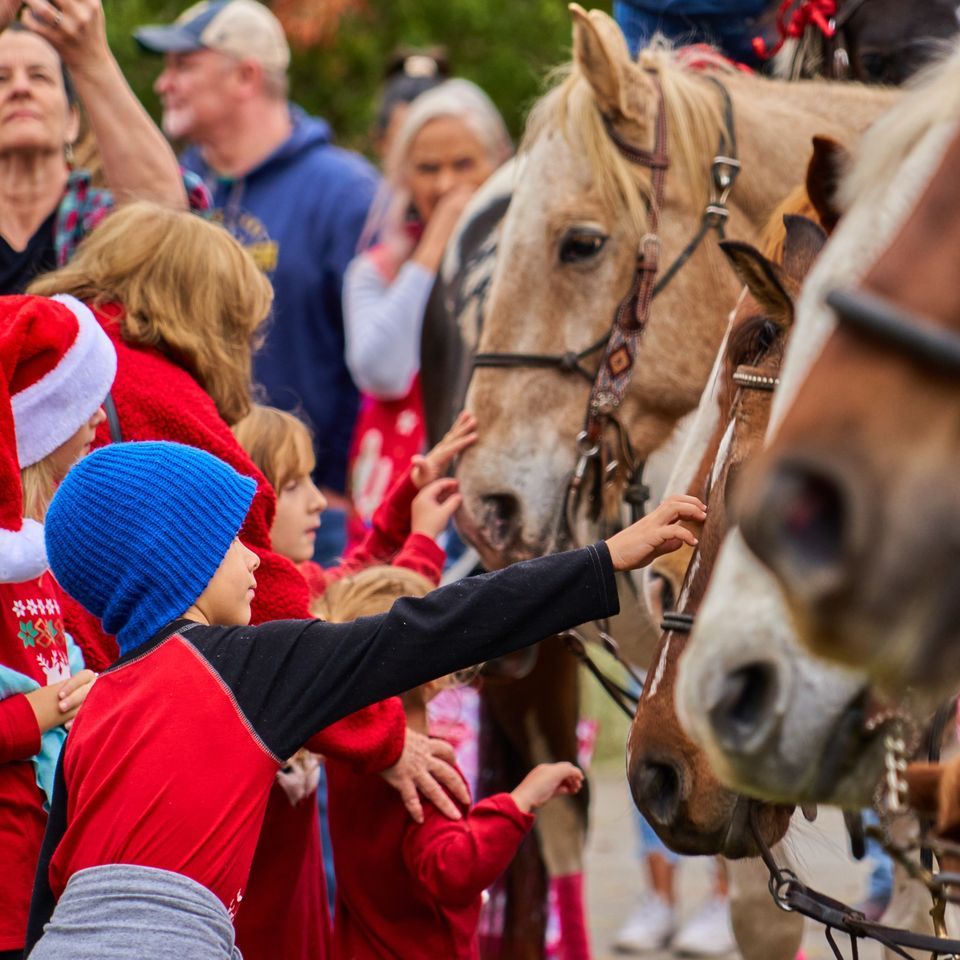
[(285, 912), (157, 399), (408, 890), (32, 642)]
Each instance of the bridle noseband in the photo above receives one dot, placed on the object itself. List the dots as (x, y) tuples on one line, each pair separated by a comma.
[(618, 347)]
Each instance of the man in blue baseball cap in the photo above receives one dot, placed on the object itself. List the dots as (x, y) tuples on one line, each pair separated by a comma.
[(293, 199)]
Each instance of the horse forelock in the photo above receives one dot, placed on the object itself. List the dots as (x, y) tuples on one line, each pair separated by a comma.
[(695, 121)]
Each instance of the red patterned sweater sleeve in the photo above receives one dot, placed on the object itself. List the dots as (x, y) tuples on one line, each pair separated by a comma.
[(456, 860), (19, 731)]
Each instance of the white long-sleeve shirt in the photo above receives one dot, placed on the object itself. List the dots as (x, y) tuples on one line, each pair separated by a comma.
[(382, 324)]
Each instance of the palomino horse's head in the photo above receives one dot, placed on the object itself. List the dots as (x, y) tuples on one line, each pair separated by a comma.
[(566, 258), (856, 507), (671, 778)]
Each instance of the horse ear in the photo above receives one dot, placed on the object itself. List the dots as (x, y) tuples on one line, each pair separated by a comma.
[(601, 54), (827, 165), (763, 278), (802, 245)]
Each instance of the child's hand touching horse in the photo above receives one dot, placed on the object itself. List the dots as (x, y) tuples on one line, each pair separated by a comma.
[(433, 465), (544, 782), (433, 507), (660, 531)]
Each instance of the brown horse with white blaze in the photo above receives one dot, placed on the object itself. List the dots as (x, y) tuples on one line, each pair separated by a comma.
[(670, 777), (855, 506)]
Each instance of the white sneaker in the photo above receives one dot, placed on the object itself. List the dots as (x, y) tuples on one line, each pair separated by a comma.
[(708, 933), (648, 928)]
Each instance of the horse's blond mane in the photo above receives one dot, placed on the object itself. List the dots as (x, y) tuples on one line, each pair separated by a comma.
[(932, 97), (694, 123)]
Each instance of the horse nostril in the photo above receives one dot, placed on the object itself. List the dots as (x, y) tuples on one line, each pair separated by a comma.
[(745, 711), (656, 791), (501, 513), (802, 528)]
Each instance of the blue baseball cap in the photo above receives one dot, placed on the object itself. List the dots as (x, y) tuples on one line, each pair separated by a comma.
[(239, 28)]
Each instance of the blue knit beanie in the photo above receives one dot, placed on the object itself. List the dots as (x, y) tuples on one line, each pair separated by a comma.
[(136, 531)]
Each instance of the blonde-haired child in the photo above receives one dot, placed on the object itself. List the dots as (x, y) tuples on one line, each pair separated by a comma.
[(405, 527), (406, 889), (56, 367)]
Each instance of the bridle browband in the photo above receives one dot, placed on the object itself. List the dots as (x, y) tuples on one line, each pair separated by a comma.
[(881, 321), (618, 347)]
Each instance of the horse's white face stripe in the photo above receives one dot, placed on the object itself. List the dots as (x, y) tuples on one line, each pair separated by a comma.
[(661, 668)]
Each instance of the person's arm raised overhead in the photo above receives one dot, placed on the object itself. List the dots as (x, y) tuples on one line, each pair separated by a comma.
[(138, 162)]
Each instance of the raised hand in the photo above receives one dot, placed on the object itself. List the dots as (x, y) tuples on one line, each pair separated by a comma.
[(433, 507), (546, 781), (76, 29), (434, 464), (660, 531)]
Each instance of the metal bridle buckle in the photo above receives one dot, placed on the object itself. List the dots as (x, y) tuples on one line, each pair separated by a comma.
[(716, 215), (779, 885), (725, 171), (649, 260)]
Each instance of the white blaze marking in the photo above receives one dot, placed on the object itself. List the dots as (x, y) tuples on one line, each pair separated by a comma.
[(661, 667)]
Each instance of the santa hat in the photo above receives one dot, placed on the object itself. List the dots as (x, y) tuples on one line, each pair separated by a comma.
[(56, 369)]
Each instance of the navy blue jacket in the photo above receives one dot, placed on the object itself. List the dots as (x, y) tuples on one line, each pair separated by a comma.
[(300, 214)]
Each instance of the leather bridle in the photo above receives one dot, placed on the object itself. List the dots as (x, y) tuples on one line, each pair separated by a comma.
[(604, 442), (883, 322)]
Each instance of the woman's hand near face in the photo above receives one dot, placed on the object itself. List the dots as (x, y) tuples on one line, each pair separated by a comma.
[(440, 227), (8, 11), (77, 31)]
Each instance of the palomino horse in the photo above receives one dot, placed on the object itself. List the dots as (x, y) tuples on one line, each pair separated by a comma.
[(671, 780), (744, 607), (567, 257), (871, 41), (857, 511)]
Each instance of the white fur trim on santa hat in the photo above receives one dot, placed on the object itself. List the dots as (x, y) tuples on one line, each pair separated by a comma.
[(50, 411), (23, 554)]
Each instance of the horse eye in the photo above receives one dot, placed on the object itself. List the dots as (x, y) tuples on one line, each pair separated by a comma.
[(766, 337), (579, 246)]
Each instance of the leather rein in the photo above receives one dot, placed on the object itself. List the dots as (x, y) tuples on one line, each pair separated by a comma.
[(604, 442)]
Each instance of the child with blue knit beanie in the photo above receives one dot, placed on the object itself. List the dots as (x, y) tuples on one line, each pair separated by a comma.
[(162, 783)]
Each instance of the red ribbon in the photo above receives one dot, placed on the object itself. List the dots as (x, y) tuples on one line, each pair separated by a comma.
[(819, 13)]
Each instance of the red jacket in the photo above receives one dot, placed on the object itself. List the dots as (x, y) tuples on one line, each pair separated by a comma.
[(285, 910), (32, 642), (156, 399), (408, 890)]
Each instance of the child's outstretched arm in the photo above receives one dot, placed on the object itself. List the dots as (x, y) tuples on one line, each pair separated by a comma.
[(544, 782), (293, 678)]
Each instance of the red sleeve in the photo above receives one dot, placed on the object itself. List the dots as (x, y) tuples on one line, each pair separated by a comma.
[(390, 529), (456, 860), (19, 730), (370, 740), (422, 555)]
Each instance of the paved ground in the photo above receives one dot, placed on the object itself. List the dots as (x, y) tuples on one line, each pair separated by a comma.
[(614, 879)]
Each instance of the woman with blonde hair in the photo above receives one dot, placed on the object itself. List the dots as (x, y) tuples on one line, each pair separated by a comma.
[(451, 140), (184, 304)]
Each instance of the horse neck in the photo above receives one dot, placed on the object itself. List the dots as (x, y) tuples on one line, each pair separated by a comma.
[(776, 122)]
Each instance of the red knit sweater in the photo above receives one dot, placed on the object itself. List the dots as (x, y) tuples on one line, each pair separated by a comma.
[(408, 890), (157, 399), (32, 642)]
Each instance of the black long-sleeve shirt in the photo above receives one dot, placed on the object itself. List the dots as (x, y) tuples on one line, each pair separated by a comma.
[(170, 761)]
